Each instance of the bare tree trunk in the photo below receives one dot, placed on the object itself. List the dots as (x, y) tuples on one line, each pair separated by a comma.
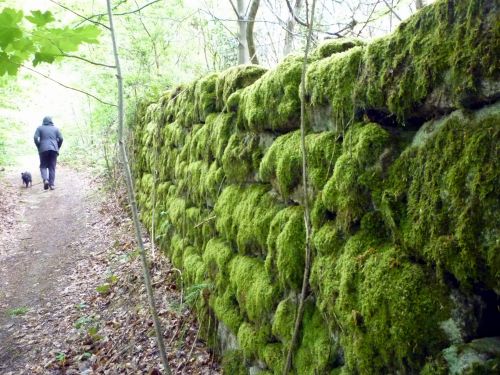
[(419, 4), (243, 53), (131, 197), (290, 26), (254, 7)]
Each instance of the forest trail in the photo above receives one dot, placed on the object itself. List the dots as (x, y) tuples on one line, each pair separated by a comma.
[(72, 299), (39, 249)]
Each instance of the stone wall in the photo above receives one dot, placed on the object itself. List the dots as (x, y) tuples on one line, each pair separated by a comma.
[(403, 153)]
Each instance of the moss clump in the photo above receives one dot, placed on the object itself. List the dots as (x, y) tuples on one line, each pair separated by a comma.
[(253, 339), (284, 320), (272, 102), (356, 173), (241, 157), (315, 351), (453, 178), (328, 239), (333, 46), (205, 96), (227, 310), (286, 247), (274, 357), (282, 162), (221, 128), (216, 256), (446, 50), (388, 307), (195, 269), (235, 78), (331, 83), (234, 362), (255, 292), (244, 215)]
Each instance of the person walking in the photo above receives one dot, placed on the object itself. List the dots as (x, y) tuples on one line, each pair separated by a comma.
[(48, 139)]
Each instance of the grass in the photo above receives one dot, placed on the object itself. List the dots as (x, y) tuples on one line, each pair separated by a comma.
[(18, 311)]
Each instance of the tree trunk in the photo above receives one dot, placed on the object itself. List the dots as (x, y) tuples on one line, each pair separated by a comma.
[(242, 34), (290, 26), (419, 4), (254, 7)]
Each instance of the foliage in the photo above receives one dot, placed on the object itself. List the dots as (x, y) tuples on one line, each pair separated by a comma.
[(30, 36)]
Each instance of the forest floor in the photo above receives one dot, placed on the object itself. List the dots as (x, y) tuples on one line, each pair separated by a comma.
[(72, 300)]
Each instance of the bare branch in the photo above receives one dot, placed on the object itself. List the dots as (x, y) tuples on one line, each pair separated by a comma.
[(79, 15), (138, 9), (250, 37), (297, 19), (392, 10), (87, 60), (234, 8), (66, 86)]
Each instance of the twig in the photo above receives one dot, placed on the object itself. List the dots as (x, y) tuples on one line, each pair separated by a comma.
[(307, 219), (205, 221), (66, 86), (132, 200), (79, 15), (392, 10), (87, 60)]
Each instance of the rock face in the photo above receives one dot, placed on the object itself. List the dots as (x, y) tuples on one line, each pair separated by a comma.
[(404, 176)]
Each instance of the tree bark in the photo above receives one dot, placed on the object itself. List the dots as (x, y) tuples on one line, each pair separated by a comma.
[(290, 26), (242, 34), (254, 7), (419, 4), (131, 196)]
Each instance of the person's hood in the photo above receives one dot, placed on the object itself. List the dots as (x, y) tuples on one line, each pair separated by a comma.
[(47, 120)]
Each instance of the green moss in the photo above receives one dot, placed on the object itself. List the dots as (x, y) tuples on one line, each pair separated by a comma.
[(448, 47), (255, 292), (253, 339), (227, 310), (452, 177), (274, 357), (333, 46), (284, 320), (235, 78), (234, 362), (213, 182), (221, 131), (244, 215), (216, 256), (205, 96), (286, 247), (283, 161), (330, 83), (194, 268), (389, 309), (272, 102), (315, 351), (357, 171), (328, 239), (241, 157)]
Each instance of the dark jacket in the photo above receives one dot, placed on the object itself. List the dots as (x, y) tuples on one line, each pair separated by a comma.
[(48, 137)]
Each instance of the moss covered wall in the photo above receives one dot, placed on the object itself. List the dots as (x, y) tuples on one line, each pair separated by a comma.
[(403, 150)]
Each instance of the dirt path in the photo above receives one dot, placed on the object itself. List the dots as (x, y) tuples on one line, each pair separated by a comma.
[(39, 250), (71, 297)]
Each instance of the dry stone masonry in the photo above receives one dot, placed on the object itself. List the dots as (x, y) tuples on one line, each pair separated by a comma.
[(404, 166)]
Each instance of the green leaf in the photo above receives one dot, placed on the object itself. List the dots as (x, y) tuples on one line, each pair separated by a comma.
[(40, 19), (10, 26)]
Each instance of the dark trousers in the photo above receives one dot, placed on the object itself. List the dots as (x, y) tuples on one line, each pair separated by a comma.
[(48, 161)]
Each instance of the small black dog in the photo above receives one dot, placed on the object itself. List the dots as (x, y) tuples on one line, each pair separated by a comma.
[(26, 176)]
